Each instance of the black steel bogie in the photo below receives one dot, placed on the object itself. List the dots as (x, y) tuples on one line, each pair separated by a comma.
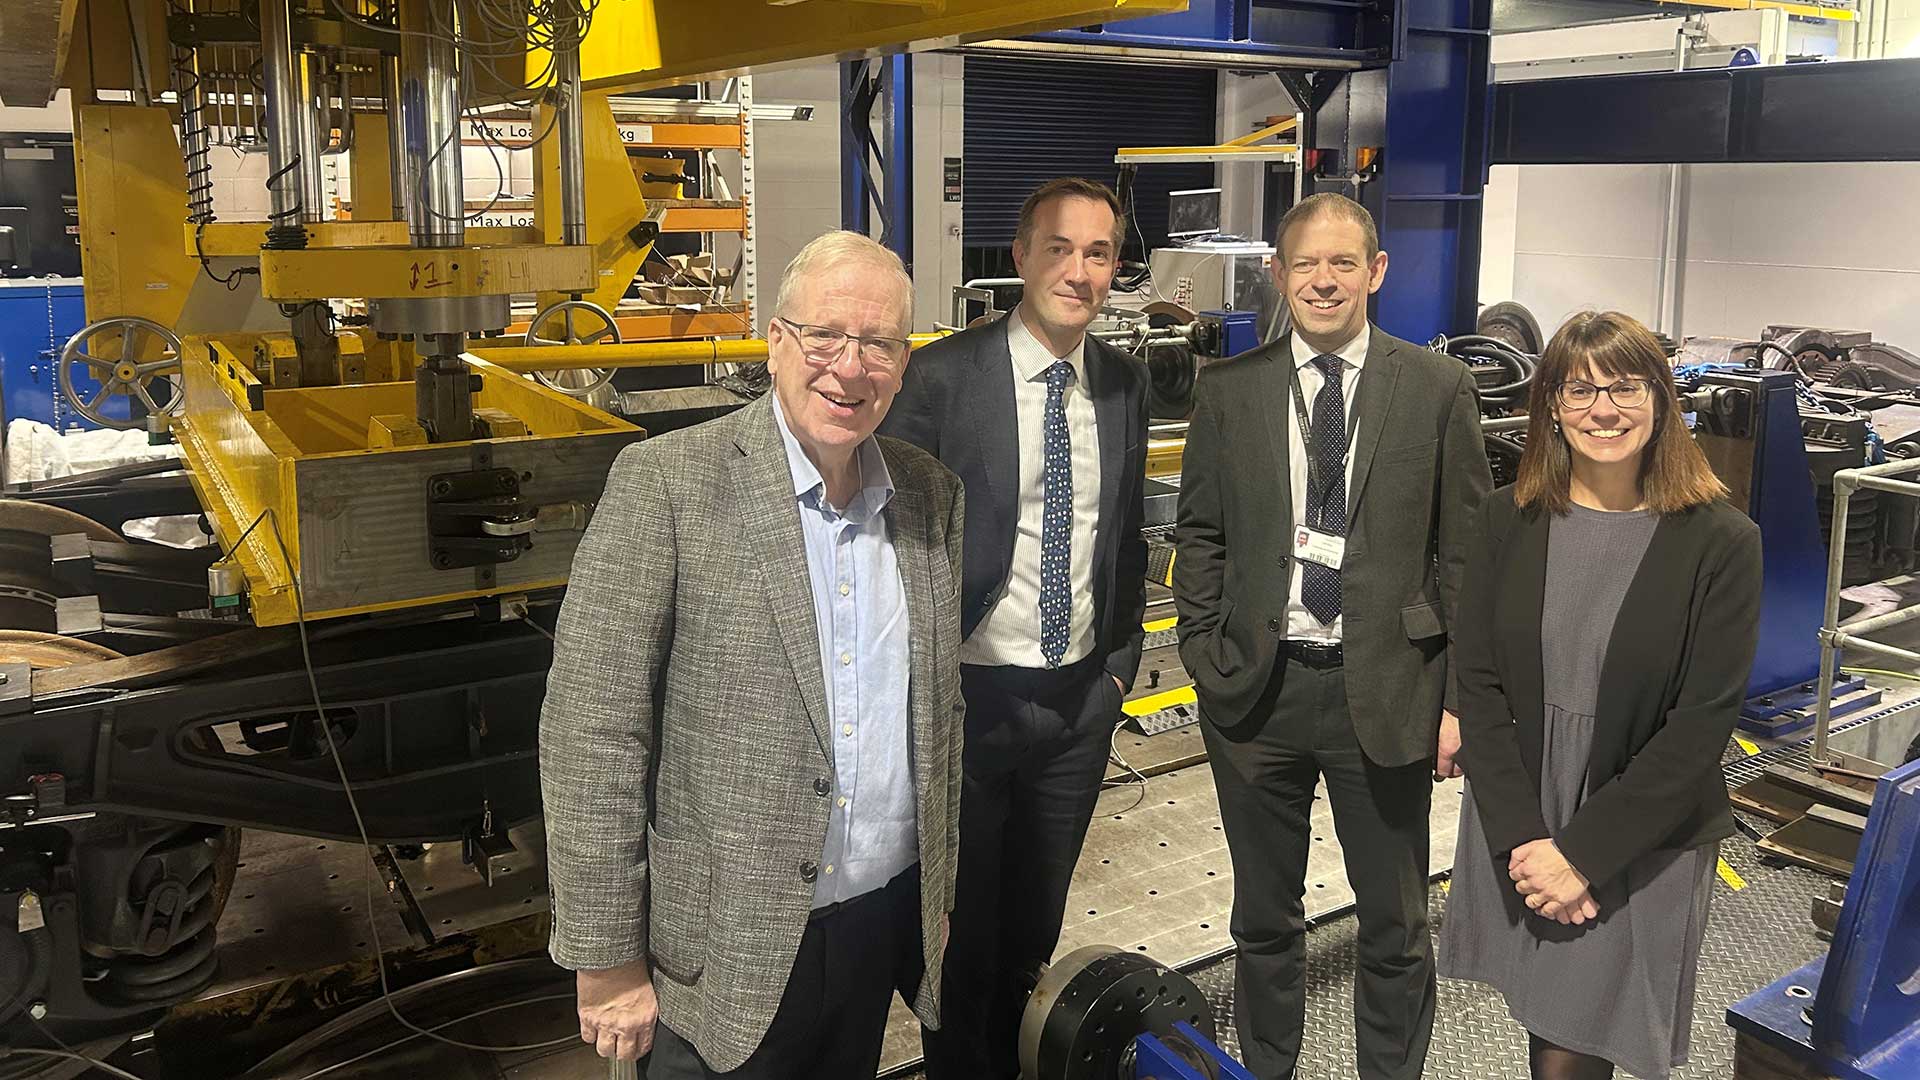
[(430, 736)]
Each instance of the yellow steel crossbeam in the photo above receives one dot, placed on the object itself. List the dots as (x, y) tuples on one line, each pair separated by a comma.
[(325, 273), (1250, 138)]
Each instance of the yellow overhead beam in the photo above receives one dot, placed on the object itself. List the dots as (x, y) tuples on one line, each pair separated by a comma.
[(636, 44), (1807, 11)]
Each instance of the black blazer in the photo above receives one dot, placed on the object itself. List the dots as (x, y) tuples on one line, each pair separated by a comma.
[(956, 402), (1671, 686), (1419, 475)]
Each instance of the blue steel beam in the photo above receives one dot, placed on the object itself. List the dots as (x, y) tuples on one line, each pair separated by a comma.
[(876, 176)]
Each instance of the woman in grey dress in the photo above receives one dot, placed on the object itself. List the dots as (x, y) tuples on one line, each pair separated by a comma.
[(1606, 628)]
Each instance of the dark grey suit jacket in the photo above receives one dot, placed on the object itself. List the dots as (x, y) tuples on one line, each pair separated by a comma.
[(686, 727), (957, 402), (1419, 475)]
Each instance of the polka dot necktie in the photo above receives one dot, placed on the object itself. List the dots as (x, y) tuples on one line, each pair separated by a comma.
[(1326, 501), (1056, 520)]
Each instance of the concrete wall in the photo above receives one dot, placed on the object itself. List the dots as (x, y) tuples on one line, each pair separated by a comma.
[(57, 116), (1830, 245)]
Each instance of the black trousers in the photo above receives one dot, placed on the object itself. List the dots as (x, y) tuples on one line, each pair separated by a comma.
[(1265, 770), (833, 1016), (1036, 750)]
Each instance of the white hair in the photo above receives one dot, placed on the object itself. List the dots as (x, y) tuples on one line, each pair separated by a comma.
[(838, 248)]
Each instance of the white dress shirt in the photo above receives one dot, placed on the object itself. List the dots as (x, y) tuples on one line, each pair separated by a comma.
[(1009, 633), (1300, 622), (860, 613)]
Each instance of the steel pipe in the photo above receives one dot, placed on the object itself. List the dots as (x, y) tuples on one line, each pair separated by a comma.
[(430, 115), (526, 359), (292, 155), (396, 138), (572, 148)]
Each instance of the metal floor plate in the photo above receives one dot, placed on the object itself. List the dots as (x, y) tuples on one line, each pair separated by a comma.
[(1155, 876)]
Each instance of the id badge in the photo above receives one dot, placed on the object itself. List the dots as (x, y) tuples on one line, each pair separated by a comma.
[(1324, 549)]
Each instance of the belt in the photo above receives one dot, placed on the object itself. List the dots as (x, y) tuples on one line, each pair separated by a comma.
[(1315, 654), (838, 906), (899, 880)]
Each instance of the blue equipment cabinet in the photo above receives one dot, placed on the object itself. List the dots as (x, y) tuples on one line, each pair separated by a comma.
[(37, 316)]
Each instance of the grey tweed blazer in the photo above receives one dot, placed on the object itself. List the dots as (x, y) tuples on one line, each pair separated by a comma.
[(686, 725)]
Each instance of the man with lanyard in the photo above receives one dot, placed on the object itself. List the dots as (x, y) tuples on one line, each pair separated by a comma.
[(1352, 564)]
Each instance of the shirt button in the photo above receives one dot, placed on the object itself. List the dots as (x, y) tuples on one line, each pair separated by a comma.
[(1273, 625), (809, 871), (846, 658), (846, 729), (843, 800), (829, 868), (845, 588), (821, 787)]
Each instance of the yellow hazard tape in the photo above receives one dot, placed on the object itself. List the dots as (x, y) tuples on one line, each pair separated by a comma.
[(1158, 625), (1747, 746), (1734, 881), (1171, 555), (1153, 703)]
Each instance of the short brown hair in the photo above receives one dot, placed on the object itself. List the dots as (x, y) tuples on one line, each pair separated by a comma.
[(1071, 187), (1674, 474), (1329, 204)]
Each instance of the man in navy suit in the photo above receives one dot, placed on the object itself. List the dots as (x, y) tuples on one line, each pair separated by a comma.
[(1046, 427)]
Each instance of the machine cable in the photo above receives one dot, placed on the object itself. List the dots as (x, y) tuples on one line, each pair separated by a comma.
[(353, 804)]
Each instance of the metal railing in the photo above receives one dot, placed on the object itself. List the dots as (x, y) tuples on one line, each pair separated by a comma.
[(1833, 639)]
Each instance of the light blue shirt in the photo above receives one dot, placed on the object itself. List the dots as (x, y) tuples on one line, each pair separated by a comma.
[(860, 611)]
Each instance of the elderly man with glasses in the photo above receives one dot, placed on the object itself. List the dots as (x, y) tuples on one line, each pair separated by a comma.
[(750, 750)]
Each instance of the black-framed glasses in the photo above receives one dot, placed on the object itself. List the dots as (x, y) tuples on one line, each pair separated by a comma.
[(1576, 394), (822, 345)]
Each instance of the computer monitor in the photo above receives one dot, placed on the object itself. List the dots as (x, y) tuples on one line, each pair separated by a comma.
[(1193, 213)]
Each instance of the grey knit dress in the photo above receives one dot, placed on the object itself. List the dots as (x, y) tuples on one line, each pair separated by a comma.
[(1620, 987)]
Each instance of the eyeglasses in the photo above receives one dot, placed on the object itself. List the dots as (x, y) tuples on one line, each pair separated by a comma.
[(822, 345), (1625, 394)]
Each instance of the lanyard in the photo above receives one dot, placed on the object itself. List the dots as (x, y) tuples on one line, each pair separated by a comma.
[(1316, 492)]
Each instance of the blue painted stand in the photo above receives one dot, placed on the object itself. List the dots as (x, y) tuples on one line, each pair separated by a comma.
[(1855, 1013), (1785, 712)]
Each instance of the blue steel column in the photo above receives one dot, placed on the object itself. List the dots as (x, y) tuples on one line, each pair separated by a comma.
[(891, 195), (856, 113), (1434, 167), (896, 168)]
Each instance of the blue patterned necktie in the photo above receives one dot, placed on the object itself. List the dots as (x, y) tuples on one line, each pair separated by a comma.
[(1327, 501), (1056, 520)]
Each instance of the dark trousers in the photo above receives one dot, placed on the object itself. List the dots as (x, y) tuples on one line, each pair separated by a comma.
[(1036, 750), (833, 1016), (1265, 770)]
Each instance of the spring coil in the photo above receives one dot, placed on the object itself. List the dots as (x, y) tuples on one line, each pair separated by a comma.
[(195, 141)]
